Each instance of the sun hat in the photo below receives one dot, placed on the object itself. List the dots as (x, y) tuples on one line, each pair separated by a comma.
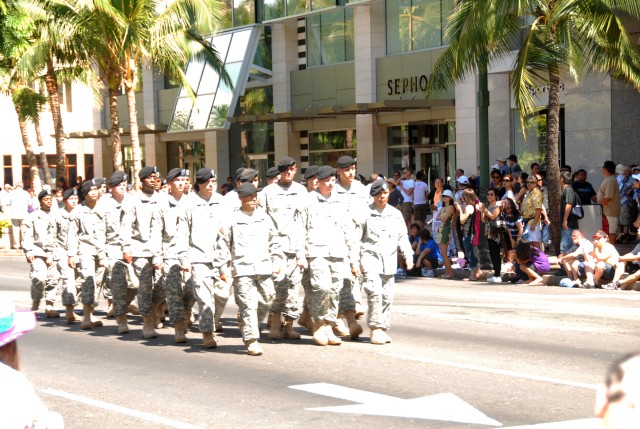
[(447, 193), (14, 324)]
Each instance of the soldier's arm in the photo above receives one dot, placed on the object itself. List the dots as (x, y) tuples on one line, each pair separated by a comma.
[(27, 238)]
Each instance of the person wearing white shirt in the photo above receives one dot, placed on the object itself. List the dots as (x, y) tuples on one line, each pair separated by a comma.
[(420, 196), (407, 186)]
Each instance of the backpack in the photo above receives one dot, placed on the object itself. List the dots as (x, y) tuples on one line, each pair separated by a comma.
[(577, 209)]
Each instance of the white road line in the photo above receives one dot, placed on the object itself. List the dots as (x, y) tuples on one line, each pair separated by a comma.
[(491, 370), (118, 409), (7, 276)]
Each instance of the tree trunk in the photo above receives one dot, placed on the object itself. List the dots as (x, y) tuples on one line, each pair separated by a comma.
[(554, 188), (44, 164), (116, 144), (133, 128), (36, 184), (54, 102)]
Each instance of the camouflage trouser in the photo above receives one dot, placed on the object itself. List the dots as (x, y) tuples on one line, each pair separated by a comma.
[(379, 289), (253, 296), (288, 289), (44, 280), (306, 287), (144, 272), (179, 293), (123, 286), (66, 274), (89, 277), (327, 278), (221, 292), (205, 277), (350, 293), (159, 294)]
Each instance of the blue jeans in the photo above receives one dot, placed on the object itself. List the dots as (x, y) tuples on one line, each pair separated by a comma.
[(469, 251), (565, 240)]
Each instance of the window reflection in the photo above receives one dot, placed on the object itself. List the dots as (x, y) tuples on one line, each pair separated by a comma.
[(330, 38), (416, 24)]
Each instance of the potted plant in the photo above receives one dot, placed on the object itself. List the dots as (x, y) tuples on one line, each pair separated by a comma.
[(5, 238)]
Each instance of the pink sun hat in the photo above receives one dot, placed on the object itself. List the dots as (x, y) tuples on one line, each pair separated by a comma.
[(14, 324)]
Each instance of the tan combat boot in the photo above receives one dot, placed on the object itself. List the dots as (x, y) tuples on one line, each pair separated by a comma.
[(133, 309), (288, 331), (35, 304), (320, 333), (190, 318), (147, 327), (339, 327), (109, 308), (123, 328), (88, 321), (332, 340), (275, 329), (49, 311), (253, 348), (378, 336), (305, 320), (157, 311), (69, 314), (354, 328), (180, 327), (208, 340)]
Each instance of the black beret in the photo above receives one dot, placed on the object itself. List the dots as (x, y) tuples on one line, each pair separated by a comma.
[(325, 171), (272, 172), (311, 171), (248, 174), (177, 172), (285, 163), (238, 173), (69, 192), (378, 186), (246, 189), (44, 193), (117, 178), (147, 171), (346, 161), (87, 185), (204, 174)]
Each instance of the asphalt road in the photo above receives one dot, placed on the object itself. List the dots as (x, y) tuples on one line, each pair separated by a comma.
[(464, 355)]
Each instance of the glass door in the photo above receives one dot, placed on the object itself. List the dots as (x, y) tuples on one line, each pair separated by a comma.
[(432, 163)]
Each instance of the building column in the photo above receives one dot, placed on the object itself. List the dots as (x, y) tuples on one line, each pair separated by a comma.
[(216, 149), (467, 126)]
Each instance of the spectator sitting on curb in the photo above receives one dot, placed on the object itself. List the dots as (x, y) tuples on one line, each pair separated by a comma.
[(575, 262), (605, 258), (531, 264), (428, 256), (632, 257)]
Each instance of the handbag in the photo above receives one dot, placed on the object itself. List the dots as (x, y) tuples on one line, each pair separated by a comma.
[(577, 210), (497, 225)]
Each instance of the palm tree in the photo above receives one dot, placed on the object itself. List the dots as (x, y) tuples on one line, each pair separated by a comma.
[(28, 104), (129, 34), (551, 38)]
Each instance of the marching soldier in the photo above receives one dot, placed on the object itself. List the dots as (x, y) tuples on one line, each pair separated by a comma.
[(38, 234), (62, 258), (174, 231), (330, 255), (205, 215), (83, 252), (146, 247), (250, 237), (383, 231), (284, 202), (113, 239)]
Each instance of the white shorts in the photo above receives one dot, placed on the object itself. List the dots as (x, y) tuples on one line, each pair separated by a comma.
[(534, 235)]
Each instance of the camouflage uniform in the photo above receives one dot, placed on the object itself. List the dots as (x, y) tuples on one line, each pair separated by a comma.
[(146, 247), (38, 240), (61, 256), (174, 232), (113, 238), (203, 221), (382, 234), (329, 254), (82, 245), (285, 206), (251, 241), (356, 198)]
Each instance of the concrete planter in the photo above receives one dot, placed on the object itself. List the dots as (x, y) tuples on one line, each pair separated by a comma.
[(5, 238)]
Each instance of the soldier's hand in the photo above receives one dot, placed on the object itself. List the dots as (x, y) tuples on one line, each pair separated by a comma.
[(186, 267), (302, 262), (72, 262), (29, 259), (158, 266), (355, 270), (126, 257), (49, 262), (409, 265), (223, 277)]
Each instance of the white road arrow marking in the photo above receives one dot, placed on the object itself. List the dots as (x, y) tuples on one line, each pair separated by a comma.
[(445, 406)]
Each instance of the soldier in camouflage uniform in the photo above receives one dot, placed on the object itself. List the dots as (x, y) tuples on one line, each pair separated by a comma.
[(146, 247), (383, 231), (330, 255), (175, 246), (205, 214), (284, 202), (83, 252), (62, 259), (113, 240), (38, 234), (250, 237), (354, 194)]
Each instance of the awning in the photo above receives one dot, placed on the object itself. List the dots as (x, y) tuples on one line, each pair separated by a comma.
[(348, 109), (106, 132)]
